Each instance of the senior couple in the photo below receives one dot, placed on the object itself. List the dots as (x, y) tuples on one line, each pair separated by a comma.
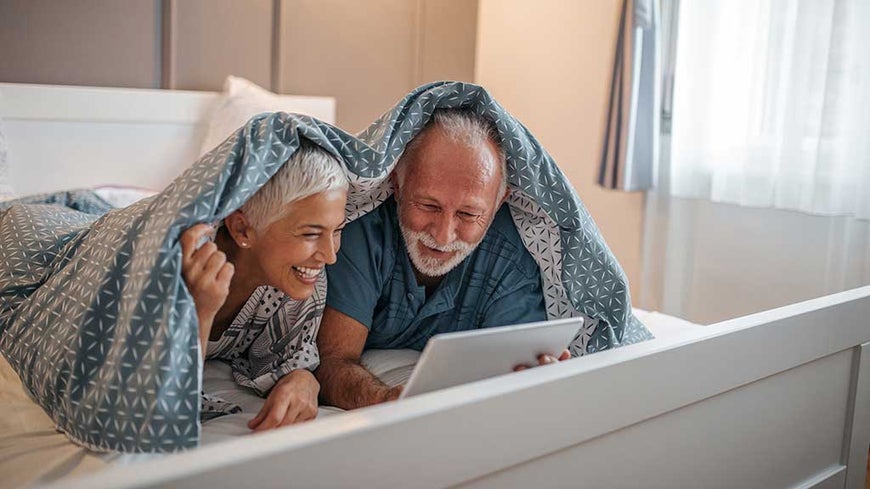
[(441, 255)]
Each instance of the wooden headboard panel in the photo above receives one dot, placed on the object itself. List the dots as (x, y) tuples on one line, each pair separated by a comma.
[(63, 137)]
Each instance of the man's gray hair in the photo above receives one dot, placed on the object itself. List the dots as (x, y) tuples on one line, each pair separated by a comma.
[(461, 126), (309, 171)]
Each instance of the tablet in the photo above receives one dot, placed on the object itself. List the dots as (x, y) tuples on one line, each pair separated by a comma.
[(451, 359)]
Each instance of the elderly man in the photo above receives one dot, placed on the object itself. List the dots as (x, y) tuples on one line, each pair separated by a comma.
[(441, 255)]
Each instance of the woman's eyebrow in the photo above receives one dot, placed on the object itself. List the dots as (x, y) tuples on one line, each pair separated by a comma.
[(319, 226)]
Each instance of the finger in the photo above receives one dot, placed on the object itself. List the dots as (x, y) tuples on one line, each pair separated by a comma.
[(256, 420), (201, 256), (226, 273), (566, 355), (193, 268), (546, 359), (309, 409), (293, 413), (214, 264), (310, 414), (190, 237), (273, 416), (520, 367), (306, 414)]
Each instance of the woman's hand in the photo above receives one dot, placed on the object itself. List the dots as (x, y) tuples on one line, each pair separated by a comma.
[(207, 275), (292, 400)]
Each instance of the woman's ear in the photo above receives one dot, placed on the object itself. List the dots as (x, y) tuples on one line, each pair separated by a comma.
[(242, 232)]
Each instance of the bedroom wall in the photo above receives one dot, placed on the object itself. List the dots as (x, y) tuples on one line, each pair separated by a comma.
[(549, 64), (370, 54), (366, 54), (81, 42)]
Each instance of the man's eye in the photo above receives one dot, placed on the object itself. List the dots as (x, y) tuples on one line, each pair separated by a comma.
[(429, 207), (467, 216), (311, 235)]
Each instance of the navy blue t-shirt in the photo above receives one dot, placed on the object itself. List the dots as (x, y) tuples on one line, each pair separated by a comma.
[(373, 281)]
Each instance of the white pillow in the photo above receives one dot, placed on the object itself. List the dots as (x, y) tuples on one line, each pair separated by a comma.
[(241, 100), (6, 191), (122, 195)]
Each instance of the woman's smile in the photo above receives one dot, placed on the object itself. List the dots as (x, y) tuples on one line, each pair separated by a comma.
[(307, 275)]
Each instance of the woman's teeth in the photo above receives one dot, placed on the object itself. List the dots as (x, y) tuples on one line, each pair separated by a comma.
[(308, 272)]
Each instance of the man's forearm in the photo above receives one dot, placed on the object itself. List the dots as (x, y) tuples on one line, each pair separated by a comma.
[(348, 385)]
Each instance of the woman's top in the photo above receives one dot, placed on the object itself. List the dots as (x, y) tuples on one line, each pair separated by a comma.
[(271, 336)]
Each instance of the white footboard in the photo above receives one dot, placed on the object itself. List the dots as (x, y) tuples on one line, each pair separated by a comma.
[(777, 399)]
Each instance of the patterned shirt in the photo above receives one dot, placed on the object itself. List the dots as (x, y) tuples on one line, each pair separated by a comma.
[(271, 336), (373, 282)]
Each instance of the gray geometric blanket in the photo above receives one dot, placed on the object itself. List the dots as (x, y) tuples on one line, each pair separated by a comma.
[(97, 322)]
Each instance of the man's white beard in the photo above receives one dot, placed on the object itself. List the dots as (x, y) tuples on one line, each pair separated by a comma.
[(431, 266)]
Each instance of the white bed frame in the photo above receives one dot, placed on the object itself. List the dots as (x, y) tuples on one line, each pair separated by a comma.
[(62, 137), (776, 399)]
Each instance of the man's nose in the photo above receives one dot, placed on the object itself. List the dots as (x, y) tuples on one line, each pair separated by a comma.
[(444, 230)]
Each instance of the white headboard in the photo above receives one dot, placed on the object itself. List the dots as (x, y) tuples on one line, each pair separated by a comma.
[(64, 137)]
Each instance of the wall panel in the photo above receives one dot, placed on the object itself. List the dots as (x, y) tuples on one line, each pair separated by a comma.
[(448, 37), (215, 38), (366, 54), (81, 42), (361, 53)]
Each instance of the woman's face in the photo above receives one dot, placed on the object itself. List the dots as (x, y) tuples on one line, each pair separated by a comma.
[(292, 251)]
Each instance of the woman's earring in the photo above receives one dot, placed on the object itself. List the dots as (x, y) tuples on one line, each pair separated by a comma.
[(244, 244)]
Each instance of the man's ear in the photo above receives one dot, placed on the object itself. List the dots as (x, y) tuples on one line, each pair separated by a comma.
[(507, 193), (394, 181), (240, 229)]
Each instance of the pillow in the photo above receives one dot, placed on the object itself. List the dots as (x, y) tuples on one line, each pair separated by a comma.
[(6, 191), (392, 367), (122, 195), (241, 100)]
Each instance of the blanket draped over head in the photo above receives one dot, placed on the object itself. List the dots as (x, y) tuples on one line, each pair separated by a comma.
[(98, 323)]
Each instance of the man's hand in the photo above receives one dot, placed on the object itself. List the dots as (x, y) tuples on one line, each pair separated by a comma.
[(207, 274), (292, 400), (546, 360), (393, 393)]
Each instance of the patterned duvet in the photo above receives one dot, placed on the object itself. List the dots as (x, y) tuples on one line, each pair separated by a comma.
[(97, 322)]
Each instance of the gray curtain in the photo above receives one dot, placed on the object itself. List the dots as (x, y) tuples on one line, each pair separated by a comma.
[(630, 150)]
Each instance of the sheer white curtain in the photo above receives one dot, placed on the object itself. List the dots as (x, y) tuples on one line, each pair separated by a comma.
[(771, 104)]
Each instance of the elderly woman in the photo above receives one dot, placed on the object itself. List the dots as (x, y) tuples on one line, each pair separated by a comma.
[(260, 286)]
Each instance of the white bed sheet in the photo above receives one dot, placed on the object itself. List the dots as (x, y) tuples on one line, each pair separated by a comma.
[(32, 451)]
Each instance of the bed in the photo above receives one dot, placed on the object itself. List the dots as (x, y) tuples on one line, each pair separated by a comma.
[(776, 399)]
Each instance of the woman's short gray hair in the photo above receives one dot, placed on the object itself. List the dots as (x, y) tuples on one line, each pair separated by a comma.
[(309, 171)]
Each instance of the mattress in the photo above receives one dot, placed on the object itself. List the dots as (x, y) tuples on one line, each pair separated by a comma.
[(32, 451)]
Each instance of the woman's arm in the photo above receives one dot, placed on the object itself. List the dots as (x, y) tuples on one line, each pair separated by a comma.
[(207, 275)]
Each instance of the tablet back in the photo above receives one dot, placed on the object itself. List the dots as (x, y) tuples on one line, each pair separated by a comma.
[(451, 359)]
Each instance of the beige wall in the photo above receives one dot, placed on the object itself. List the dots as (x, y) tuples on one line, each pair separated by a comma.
[(210, 39), (548, 62), (369, 54)]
